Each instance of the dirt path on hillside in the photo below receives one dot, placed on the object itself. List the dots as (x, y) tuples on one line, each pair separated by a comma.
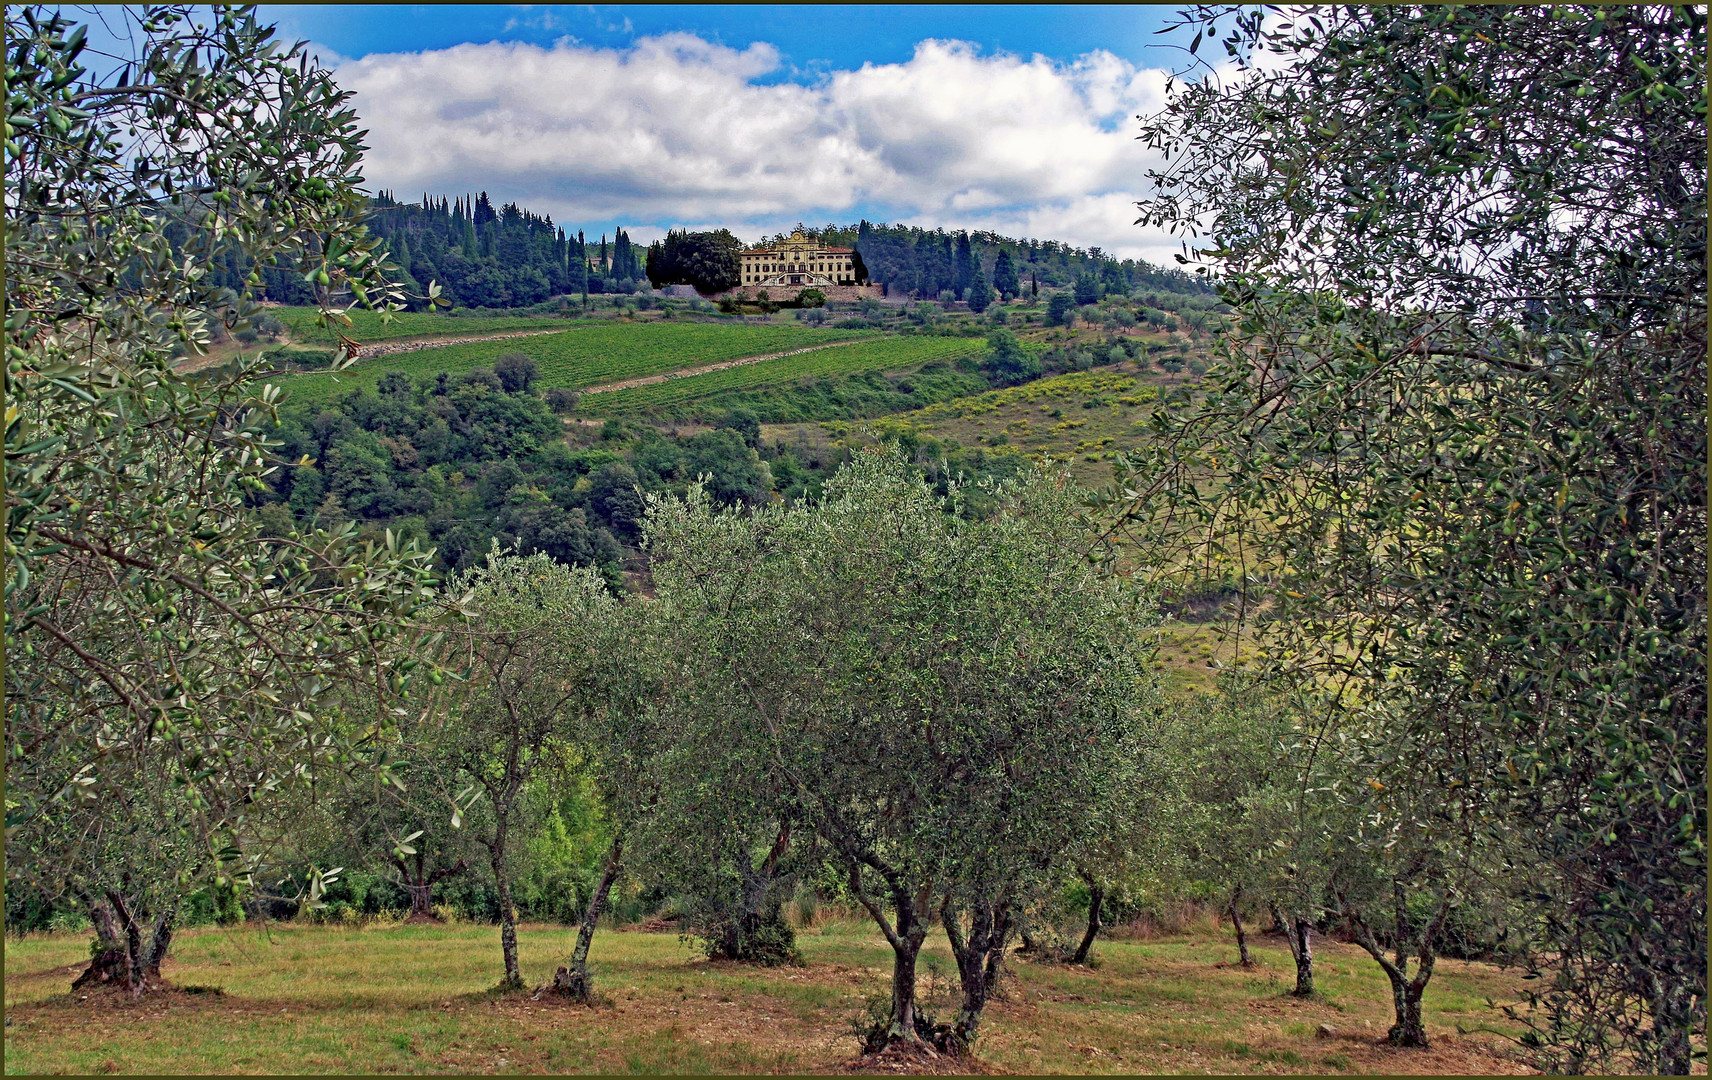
[(649, 380), (393, 348)]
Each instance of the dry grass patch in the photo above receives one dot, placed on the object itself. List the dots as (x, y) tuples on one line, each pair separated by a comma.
[(416, 999)]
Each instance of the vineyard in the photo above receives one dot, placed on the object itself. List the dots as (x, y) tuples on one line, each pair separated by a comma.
[(681, 397), (588, 355), (367, 327)]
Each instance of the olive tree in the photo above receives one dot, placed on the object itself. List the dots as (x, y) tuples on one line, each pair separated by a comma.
[(158, 637), (725, 833), (1233, 823), (1457, 442), (617, 741), (944, 699), (528, 651)]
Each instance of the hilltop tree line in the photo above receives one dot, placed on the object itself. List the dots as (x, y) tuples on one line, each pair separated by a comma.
[(481, 256), (509, 257), (512, 257)]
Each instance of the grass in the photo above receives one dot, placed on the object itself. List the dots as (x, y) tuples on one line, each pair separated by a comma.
[(671, 398), (1084, 418), (588, 355), (1191, 653), (416, 999)]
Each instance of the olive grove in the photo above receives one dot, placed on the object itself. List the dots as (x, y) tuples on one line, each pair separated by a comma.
[(1456, 456)]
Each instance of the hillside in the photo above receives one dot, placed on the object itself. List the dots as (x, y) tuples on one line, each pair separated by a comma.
[(457, 442)]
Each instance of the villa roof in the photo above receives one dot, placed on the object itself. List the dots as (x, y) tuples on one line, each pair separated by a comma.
[(826, 250)]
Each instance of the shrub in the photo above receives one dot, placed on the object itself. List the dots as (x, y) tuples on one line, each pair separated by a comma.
[(516, 372), (768, 941), (1007, 362), (561, 400), (745, 424), (811, 298)]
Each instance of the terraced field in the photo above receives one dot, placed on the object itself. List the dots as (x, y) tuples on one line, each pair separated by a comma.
[(672, 397), (366, 326), (588, 355)]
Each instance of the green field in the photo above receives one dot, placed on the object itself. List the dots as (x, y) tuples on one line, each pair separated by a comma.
[(367, 327), (588, 355), (415, 999), (667, 399)]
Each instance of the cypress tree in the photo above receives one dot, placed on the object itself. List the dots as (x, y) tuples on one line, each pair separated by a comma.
[(964, 273), (980, 293), (1005, 276)]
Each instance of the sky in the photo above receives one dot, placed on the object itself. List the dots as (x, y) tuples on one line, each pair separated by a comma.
[(1018, 119)]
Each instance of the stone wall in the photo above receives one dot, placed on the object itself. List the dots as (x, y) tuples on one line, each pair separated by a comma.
[(782, 294)]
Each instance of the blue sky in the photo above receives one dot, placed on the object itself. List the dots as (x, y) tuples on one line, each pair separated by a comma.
[(811, 38), (1020, 119)]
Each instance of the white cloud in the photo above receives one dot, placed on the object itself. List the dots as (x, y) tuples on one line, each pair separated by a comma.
[(676, 130)]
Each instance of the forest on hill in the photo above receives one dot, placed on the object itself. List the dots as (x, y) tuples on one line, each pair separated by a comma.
[(830, 645)]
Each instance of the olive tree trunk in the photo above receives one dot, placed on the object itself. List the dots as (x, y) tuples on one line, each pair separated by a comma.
[(980, 961), (758, 931), (1235, 911), (1411, 940), (1298, 931), (1673, 1017), (507, 913), (160, 941), (419, 886), (110, 961), (1096, 900), (572, 980), (904, 931), (120, 957)]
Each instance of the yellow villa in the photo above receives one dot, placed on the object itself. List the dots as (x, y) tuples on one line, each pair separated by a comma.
[(798, 261)]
